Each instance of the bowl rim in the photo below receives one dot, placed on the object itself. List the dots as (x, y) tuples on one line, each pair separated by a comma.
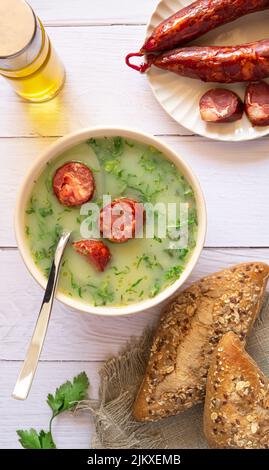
[(70, 140)]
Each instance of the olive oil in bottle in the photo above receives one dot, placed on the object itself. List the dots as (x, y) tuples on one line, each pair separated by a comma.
[(27, 58)]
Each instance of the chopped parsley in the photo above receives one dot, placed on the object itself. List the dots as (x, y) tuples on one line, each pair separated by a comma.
[(75, 286), (155, 289), (135, 284), (45, 211), (150, 261), (31, 209), (179, 253), (173, 273), (103, 294), (126, 270)]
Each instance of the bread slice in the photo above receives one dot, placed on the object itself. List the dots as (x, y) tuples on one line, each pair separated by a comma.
[(188, 332), (236, 411)]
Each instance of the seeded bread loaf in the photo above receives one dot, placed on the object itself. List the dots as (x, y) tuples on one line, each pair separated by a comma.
[(188, 332), (236, 414)]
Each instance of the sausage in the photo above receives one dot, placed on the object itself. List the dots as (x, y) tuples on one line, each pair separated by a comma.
[(248, 62), (197, 19), (220, 105), (97, 253), (120, 220), (192, 22), (257, 103), (73, 184)]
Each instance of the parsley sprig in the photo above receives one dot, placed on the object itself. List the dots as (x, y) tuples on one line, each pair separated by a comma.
[(64, 399)]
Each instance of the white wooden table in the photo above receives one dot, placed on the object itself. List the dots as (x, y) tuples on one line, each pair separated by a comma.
[(92, 37)]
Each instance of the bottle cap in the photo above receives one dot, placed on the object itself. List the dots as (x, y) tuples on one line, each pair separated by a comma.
[(17, 27)]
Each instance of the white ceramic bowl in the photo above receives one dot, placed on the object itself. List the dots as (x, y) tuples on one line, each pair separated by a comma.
[(66, 143)]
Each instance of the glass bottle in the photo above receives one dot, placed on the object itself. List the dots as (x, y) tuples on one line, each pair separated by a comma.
[(27, 58)]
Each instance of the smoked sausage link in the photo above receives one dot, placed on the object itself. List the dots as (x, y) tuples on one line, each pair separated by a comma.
[(248, 62), (96, 252), (220, 105), (257, 103), (197, 19)]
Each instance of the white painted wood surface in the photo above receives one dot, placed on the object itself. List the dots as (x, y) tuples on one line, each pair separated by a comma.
[(92, 37), (99, 88), (93, 11)]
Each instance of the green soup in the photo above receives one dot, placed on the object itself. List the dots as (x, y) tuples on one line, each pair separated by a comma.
[(139, 268)]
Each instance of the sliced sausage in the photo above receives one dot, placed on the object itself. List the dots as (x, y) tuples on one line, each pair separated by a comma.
[(73, 184), (257, 103), (197, 19), (248, 62), (97, 253), (220, 105), (120, 220)]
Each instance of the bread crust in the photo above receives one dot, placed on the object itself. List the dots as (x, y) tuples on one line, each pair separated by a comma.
[(236, 413), (189, 329)]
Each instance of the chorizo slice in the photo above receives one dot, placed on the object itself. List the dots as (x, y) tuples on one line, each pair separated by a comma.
[(73, 184), (226, 64), (120, 220), (96, 252), (220, 105), (257, 103)]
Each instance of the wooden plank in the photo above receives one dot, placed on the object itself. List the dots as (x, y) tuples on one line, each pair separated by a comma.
[(233, 177), (100, 89), (93, 11), (79, 337), (69, 431)]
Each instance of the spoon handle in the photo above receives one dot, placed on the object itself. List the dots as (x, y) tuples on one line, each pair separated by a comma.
[(24, 381)]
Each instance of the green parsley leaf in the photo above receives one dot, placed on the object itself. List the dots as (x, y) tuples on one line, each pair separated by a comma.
[(41, 254), (150, 159), (179, 253), (173, 273), (68, 394), (150, 261), (107, 147), (32, 440), (103, 294), (126, 270), (192, 217), (136, 283), (155, 289), (130, 144), (46, 440), (45, 211), (31, 208)]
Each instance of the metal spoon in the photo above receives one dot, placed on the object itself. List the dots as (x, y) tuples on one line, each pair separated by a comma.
[(29, 366)]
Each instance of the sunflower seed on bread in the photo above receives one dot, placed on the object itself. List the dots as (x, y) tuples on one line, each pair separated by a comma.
[(236, 414), (188, 332)]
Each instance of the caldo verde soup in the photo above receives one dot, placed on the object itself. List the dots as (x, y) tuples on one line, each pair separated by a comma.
[(109, 271)]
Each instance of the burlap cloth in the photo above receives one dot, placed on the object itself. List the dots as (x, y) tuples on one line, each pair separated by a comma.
[(120, 378)]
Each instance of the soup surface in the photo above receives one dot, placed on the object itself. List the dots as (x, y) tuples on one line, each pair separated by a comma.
[(139, 268)]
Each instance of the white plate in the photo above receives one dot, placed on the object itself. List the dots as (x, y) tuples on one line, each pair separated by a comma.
[(180, 96)]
